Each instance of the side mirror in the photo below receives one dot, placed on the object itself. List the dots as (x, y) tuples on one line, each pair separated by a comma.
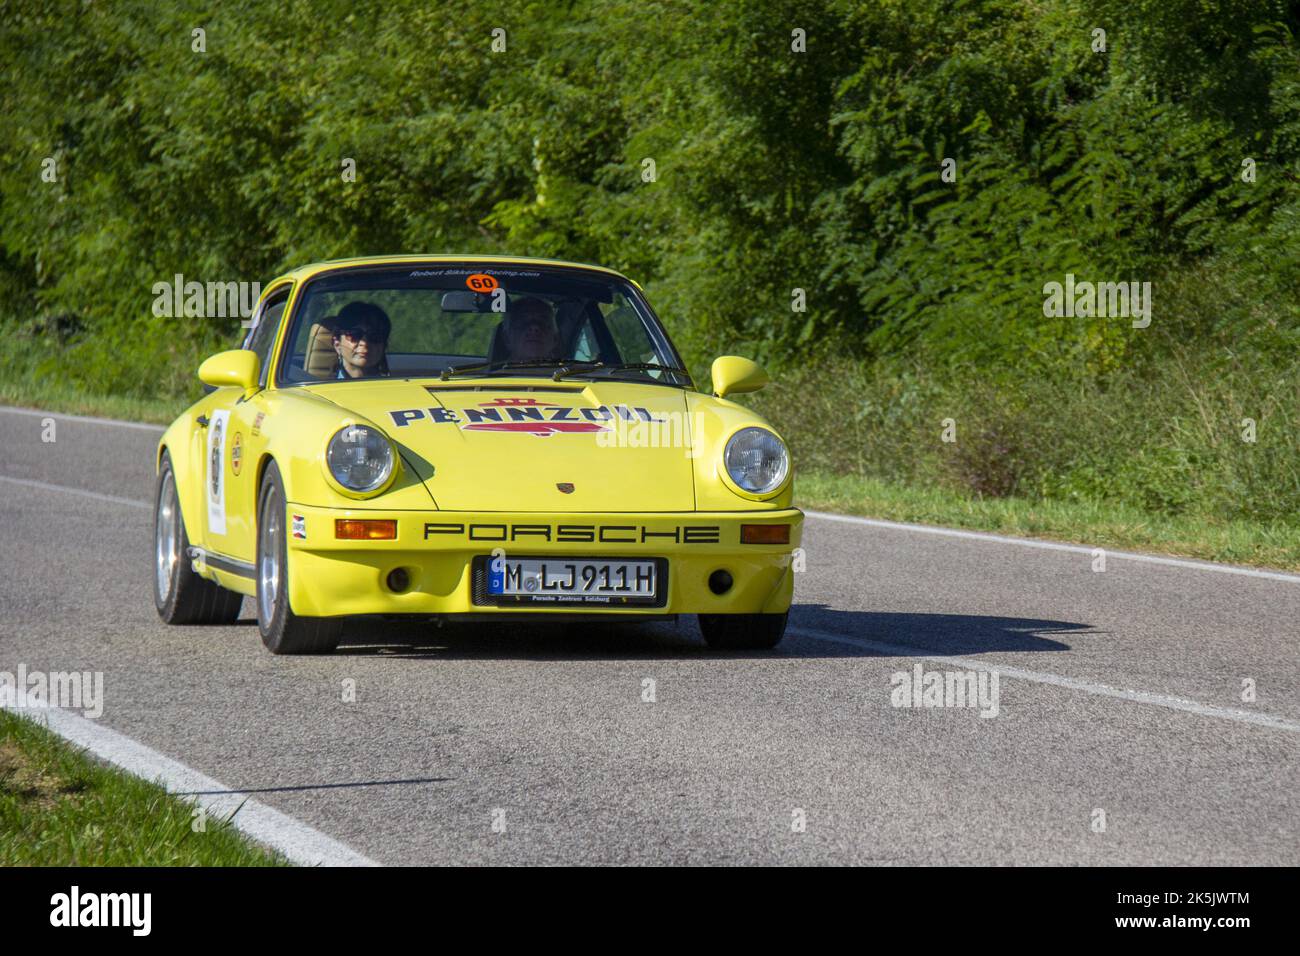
[(237, 367), (733, 374)]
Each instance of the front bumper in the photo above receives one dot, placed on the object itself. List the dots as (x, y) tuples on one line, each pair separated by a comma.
[(329, 577)]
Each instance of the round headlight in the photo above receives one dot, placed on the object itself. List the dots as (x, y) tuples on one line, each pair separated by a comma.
[(359, 458), (756, 460)]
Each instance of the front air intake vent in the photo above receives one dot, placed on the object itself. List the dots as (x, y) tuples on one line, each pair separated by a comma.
[(567, 389)]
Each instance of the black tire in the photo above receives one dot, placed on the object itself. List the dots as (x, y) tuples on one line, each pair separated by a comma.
[(283, 632), (180, 595), (743, 632)]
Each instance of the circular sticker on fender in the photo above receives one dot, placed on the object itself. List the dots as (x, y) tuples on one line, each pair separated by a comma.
[(236, 453), (481, 282)]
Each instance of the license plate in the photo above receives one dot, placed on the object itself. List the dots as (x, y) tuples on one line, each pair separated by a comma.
[(540, 580)]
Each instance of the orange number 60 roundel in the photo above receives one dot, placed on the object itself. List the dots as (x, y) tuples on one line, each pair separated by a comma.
[(481, 282)]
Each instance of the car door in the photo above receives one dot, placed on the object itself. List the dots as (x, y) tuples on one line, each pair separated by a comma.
[(234, 442)]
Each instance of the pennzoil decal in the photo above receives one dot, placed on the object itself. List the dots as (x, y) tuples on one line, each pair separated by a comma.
[(526, 415), (257, 424)]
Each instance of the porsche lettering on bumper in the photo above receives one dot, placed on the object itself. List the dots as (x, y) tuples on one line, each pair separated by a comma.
[(577, 533)]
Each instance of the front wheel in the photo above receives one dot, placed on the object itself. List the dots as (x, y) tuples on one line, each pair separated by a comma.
[(283, 632), (180, 595), (743, 632)]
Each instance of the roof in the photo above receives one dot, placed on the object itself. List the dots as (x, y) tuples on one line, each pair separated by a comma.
[(315, 268)]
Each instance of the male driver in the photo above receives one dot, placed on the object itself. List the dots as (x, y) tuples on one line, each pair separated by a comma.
[(530, 332), (361, 340)]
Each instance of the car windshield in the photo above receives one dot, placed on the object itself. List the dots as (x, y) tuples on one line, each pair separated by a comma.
[(475, 320)]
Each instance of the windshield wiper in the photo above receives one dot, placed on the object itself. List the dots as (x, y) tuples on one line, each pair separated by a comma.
[(496, 366), (571, 367), (576, 368)]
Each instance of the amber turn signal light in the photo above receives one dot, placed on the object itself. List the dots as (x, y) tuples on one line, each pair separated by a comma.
[(365, 529), (764, 534)]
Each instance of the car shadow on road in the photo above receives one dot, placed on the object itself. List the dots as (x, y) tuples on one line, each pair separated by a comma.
[(883, 633), (815, 631)]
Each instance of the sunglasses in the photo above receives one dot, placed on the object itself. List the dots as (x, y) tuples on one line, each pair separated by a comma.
[(357, 335), (522, 323)]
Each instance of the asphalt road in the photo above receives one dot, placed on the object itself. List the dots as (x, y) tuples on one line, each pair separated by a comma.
[(1118, 692)]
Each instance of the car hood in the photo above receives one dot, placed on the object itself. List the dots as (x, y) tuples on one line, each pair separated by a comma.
[(535, 445)]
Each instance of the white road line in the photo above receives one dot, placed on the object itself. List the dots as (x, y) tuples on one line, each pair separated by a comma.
[(1055, 546), (1056, 680), (299, 842), (40, 413), (46, 486)]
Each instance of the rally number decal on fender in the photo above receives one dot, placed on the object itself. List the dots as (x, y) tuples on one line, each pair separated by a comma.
[(216, 483)]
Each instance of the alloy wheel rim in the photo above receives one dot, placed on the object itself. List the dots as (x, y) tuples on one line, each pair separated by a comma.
[(167, 546), (268, 565)]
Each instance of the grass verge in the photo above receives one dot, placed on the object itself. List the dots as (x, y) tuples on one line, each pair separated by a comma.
[(1091, 523), (29, 393), (60, 807)]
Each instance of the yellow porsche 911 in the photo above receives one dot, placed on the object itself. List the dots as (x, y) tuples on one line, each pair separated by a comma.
[(483, 437)]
